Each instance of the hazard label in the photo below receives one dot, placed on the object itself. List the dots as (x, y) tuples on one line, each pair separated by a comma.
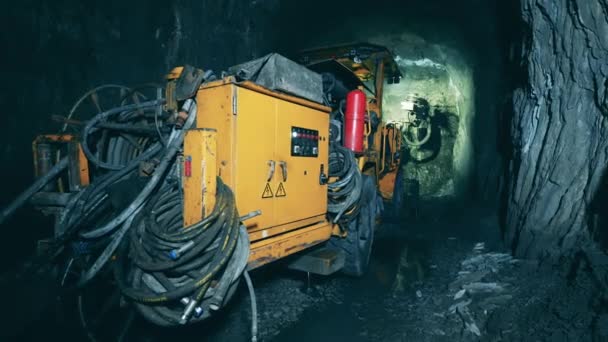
[(267, 191), (281, 191)]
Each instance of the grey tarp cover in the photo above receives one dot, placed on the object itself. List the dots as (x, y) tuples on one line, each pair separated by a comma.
[(278, 73)]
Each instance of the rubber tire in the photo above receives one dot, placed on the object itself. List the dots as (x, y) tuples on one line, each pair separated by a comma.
[(397, 202), (357, 245)]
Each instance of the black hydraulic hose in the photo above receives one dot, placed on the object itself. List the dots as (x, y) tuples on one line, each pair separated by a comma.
[(173, 274), (175, 142), (254, 308), (233, 270), (83, 210), (345, 192), (87, 199), (107, 253), (90, 128), (129, 128), (9, 210), (169, 266), (220, 257)]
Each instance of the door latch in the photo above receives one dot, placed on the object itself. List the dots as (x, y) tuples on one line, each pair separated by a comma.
[(323, 179), (283, 165), (271, 168)]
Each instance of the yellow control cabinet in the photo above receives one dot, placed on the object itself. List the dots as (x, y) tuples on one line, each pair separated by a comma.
[(272, 151)]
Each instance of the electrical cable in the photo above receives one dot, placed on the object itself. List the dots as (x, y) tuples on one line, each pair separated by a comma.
[(174, 143), (90, 128), (173, 274), (85, 210), (254, 308), (169, 266), (344, 193)]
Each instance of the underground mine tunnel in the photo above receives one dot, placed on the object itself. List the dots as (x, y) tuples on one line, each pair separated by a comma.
[(264, 170)]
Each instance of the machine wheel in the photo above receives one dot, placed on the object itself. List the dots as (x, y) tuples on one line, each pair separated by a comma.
[(398, 194), (358, 243)]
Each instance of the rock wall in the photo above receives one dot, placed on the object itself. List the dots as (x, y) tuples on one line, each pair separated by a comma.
[(559, 128)]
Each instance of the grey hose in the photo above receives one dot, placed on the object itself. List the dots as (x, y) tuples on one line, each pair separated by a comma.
[(175, 142), (90, 128), (9, 210), (254, 308), (68, 215), (352, 198), (345, 192), (233, 271), (107, 253)]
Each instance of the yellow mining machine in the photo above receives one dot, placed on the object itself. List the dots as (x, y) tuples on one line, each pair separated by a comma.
[(177, 191)]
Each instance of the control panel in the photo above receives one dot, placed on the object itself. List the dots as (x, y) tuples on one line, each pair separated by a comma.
[(304, 142)]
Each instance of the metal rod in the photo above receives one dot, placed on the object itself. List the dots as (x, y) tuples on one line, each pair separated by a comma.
[(251, 215)]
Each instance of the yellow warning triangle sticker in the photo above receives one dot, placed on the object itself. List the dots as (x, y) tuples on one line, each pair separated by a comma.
[(267, 191), (281, 191)]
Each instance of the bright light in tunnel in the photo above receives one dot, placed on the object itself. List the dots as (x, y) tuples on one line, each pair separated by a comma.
[(407, 105)]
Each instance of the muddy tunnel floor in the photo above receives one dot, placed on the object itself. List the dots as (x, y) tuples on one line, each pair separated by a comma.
[(439, 278), (446, 278)]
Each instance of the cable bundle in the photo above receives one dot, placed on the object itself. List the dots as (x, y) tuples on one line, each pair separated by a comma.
[(174, 274), (179, 274), (344, 193), (91, 216)]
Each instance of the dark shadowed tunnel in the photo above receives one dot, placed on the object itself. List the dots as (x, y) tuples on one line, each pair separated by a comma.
[(486, 212)]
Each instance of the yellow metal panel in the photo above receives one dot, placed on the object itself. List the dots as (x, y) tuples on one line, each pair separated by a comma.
[(284, 228), (254, 128), (255, 156), (215, 111), (303, 196), (274, 248), (199, 174)]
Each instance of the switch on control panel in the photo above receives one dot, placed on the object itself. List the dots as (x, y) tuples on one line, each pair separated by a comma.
[(304, 142)]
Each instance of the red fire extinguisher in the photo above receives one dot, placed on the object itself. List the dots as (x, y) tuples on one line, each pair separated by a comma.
[(354, 121)]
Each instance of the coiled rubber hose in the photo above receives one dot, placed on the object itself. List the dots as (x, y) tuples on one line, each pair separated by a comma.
[(178, 274), (345, 192), (173, 274), (90, 128)]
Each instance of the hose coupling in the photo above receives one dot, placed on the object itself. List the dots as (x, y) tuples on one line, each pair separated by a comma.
[(176, 253), (198, 311), (188, 312)]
